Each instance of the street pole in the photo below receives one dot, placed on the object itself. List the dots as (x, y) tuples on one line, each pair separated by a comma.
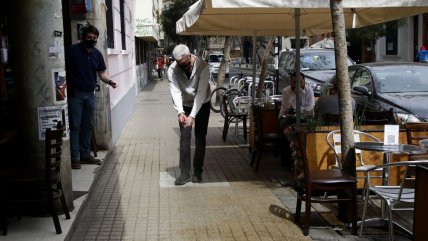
[(277, 65)]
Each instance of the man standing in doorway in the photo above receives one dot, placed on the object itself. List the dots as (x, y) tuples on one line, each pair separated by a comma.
[(83, 63), (188, 79)]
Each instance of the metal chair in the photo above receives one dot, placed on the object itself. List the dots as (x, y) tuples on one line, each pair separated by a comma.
[(312, 184), (232, 115), (395, 197), (333, 139), (39, 186)]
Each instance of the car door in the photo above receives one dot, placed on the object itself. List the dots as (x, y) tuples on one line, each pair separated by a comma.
[(362, 88)]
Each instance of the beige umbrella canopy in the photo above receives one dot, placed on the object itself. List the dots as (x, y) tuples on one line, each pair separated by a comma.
[(276, 17), (327, 43)]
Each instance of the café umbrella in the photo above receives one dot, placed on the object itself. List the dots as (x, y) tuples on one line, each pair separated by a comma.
[(288, 18), (277, 17)]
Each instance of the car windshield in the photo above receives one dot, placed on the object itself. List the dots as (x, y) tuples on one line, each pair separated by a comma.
[(215, 58), (401, 79), (318, 61)]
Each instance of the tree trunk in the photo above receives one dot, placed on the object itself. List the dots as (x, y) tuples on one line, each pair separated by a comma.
[(224, 62), (345, 99), (264, 64)]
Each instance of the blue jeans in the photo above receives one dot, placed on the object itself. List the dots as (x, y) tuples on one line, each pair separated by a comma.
[(81, 111), (201, 129)]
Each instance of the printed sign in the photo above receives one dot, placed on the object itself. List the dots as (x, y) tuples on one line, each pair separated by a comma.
[(48, 117), (391, 134)]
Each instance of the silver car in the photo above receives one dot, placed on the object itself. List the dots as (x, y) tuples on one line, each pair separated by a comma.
[(318, 65)]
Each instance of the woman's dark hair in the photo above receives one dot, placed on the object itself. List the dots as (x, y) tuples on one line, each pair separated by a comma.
[(90, 29)]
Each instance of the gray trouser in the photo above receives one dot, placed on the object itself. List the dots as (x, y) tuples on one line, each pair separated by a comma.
[(201, 127)]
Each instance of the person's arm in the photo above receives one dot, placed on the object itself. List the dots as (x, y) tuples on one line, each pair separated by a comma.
[(106, 79), (175, 90)]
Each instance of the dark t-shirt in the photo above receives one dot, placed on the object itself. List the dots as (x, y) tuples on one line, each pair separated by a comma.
[(82, 67)]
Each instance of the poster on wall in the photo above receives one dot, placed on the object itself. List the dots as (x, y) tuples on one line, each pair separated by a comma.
[(60, 89), (49, 116)]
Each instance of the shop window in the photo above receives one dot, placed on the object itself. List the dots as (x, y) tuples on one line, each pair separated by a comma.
[(110, 26), (391, 39), (122, 24), (111, 29)]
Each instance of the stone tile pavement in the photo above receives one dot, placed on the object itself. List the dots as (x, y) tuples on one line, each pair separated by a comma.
[(133, 197)]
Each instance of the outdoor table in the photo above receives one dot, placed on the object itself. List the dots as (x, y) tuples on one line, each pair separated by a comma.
[(389, 150)]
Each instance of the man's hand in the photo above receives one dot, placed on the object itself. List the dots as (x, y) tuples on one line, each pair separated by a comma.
[(112, 84), (181, 119), (189, 121)]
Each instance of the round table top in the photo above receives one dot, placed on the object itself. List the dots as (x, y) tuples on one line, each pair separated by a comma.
[(400, 148)]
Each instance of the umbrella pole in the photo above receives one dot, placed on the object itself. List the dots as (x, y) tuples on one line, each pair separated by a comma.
[(298, 90), (277, 49), (253, 90)]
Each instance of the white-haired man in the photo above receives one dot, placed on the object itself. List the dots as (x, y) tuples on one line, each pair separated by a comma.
[(188, 79)]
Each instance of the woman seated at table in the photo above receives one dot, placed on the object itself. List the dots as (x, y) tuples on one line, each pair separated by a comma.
[(329, 104), (288, 104)]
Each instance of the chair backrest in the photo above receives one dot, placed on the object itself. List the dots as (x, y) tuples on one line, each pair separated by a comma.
[(377, 117), (265, 120), (333, 139), (53, 151), (228, 106), (242, 104), (416, 131)]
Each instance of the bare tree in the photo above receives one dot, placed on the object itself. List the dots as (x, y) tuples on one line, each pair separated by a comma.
[(224, 61), (345, 99), (264, 64)]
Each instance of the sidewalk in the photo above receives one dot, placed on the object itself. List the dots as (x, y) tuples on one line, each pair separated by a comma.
[(133, 196)]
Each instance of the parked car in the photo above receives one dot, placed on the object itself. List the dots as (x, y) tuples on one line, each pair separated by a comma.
[(401, 86), (318, 65), (214, 60)]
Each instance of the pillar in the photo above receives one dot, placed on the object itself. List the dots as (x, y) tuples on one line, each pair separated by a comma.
[(37, 39)]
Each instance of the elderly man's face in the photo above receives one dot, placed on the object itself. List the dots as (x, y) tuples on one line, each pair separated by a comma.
[(293, 82), (185, 62)]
